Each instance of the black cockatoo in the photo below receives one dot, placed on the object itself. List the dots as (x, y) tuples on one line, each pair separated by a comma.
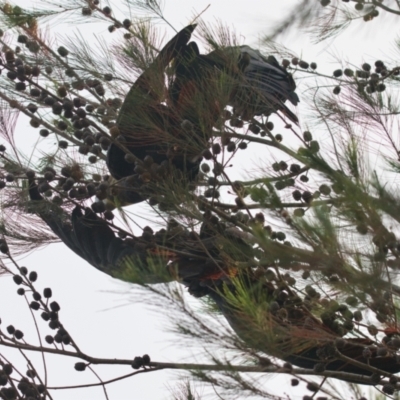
[(173, 131), (287, 330)]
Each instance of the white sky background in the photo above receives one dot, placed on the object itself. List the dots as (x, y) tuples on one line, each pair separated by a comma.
[(89, 299)]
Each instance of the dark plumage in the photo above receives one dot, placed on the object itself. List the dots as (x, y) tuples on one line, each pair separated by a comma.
[(237, 76), (196, 93), (353, 349), (131, 258), (297, 337), (87, 235), (149, 128), (264, 86), (202, 264), (201, 87)]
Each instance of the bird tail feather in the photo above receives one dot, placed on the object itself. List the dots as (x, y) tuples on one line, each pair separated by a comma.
[(289, 114)]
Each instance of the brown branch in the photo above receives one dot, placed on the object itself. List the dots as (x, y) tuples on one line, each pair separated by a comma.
[(386, 8), (154, 365), (119, 378)]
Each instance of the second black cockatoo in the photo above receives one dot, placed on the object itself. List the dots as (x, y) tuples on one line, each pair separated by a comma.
[(270, 319), (151, 258)]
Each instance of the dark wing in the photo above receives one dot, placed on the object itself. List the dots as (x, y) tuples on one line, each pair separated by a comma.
[(195, 91), (133, 259), (150, 129), (184, 64), (143, 95), (264, 86), (92, 239), (142, 118), (56, 219)]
